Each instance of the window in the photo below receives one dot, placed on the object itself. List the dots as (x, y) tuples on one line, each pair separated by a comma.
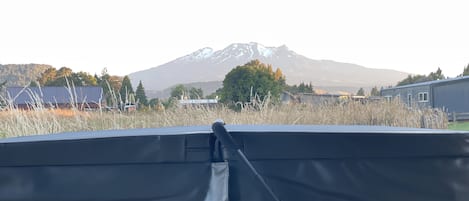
[(409, 99), (423, 97), (388, 98)]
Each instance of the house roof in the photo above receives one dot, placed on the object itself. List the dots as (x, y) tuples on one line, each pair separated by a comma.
[(430, 83), (54, 95)]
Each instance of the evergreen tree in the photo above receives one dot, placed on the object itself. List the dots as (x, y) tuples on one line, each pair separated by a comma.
[(140, 94), (437, 75), (374, 91), (126, 91), (301, 88), (361, 92), (466, 71)]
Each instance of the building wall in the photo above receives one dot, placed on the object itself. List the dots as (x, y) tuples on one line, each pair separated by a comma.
[(316, 99), (452, 96), (403, 95)]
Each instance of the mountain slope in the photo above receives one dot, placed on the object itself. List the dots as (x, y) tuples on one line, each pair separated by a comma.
[(206, 65), (21, 74)]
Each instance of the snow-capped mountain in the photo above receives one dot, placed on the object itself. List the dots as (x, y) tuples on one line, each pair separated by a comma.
[(206, 65)]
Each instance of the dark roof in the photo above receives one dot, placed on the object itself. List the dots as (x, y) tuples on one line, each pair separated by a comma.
[(430, 83), (54, 95)]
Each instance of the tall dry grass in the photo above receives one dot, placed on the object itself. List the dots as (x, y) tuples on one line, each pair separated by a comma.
[(14, 122)]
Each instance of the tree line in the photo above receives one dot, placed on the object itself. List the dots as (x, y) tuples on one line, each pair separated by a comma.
[(117, 91), (241, 85), (413, 79)]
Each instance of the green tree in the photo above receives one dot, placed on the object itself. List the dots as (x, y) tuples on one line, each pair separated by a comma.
[(140, 94), (84, 79), (437, 75), (179, 91), (216, 94), (466, 71), (375, 91), (253, 78), (65, 77), (126, 91), (196, 93), (301, 88), (154, 102), (33, 84), (361, 92)]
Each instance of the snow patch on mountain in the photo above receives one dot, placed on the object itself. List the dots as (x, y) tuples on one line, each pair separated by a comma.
[(198, 55), (264, 51), (236, 51)]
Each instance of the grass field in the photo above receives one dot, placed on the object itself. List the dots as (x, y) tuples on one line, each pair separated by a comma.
[(464, 126), (15, 122)]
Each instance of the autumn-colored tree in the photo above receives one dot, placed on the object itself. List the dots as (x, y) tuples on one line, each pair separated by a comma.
[(66, 77), (64, 72), (279, 75), (47, 76), (83, 79)]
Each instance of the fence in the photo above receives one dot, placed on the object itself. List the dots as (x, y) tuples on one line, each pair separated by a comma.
[(458, 116)]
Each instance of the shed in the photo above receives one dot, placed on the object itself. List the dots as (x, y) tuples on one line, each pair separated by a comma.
[(451, 95), (83, 98)]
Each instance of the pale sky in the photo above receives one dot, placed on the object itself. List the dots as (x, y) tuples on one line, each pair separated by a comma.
[(127, 36)]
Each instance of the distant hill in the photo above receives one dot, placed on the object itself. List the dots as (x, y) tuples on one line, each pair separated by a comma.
[(21, 74), (207, 65)]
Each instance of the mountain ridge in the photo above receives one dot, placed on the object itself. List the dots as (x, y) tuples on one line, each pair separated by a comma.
[(206, 65)]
